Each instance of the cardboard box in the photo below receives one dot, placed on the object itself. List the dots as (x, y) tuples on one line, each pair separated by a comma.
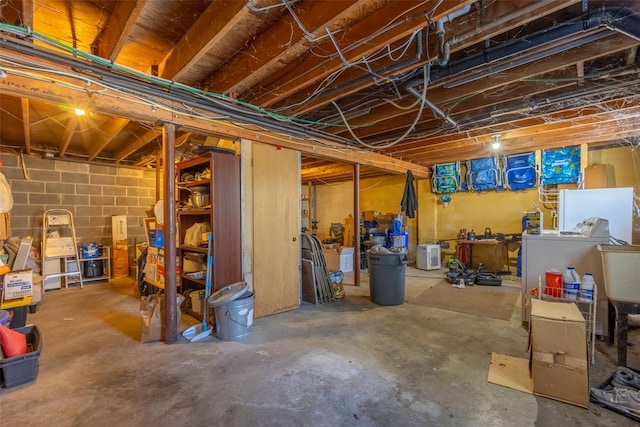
[(346, 260), (558, 358), (118, 228), (339, 260), (5, 226), (18, 284), (369, 215), (120, 259), (161, 264)]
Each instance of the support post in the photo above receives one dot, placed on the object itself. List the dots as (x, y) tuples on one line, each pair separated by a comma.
[(169, 226), (356, 224)]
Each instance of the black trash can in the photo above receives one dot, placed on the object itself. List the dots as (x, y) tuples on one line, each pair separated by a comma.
[(93, 268), (386, 277)]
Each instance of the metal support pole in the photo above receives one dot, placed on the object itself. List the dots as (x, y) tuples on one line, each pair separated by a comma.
[(356, 225), (168, 148)]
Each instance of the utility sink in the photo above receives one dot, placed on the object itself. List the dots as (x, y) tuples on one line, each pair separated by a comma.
[(621, 268)]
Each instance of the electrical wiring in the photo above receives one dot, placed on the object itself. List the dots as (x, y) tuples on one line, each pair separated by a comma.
[(210, 96), (407, 132), (144, 89)]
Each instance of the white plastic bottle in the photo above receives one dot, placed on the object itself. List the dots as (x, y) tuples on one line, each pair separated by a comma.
[(570, 284), (586, 288)]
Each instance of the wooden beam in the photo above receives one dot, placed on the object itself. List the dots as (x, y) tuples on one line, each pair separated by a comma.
[(314, 69), (466, 33), (70, 128), (27, 13), (580, 72), (26, 124), (387, 118), (123, 105), (111, 130), (606, 111), (115, 32), (148, 136), (213, 24), (267, 55), (631, 55)]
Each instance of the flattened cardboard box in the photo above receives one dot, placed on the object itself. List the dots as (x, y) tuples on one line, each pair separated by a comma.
[(559, 363)]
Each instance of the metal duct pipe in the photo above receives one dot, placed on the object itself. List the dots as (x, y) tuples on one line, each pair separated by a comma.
[(527, 59), (622, 20)]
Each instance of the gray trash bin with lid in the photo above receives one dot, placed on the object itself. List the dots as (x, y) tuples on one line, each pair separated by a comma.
[(386, 277), (233, 307)]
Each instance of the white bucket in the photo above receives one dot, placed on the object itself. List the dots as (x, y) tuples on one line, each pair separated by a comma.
[(234, 319)]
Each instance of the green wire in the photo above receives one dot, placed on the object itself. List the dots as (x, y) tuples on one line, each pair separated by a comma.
[(164, 82)]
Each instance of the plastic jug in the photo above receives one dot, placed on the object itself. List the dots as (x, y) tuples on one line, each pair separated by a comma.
[(586, 288), (570, 284)]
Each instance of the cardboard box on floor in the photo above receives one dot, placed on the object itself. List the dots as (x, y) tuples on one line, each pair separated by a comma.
[(120, 255), (339, 259), (558, 366), (559, 363)]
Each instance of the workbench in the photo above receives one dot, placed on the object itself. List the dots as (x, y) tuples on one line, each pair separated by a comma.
[(498, 253)]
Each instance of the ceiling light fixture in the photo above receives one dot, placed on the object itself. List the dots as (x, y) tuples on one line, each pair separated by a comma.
[(79, 112), (496, 143)]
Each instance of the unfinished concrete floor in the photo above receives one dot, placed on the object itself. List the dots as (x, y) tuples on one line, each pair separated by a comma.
[(347, 363)]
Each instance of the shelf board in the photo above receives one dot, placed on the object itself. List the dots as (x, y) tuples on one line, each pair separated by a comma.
[(188, 248), (201, 282), (198, 211), (195, 183)]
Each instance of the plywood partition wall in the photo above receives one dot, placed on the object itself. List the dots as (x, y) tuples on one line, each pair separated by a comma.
[(276, 229)]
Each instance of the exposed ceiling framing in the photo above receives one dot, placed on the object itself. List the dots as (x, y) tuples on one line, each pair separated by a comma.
[(341, 81)]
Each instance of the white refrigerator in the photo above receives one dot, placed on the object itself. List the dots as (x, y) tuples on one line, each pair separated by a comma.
[(553, 250), (612, 204)]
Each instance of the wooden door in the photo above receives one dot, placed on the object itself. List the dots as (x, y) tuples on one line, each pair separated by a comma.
[(276, 225)]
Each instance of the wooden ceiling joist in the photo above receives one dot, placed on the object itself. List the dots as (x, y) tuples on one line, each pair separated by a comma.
[(26, 124), (113, 36)]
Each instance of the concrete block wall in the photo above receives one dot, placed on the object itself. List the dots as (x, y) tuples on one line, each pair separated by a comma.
[(91, 192)]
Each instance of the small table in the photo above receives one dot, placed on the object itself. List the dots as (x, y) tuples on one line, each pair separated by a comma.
[(619, 326), (500, 251)]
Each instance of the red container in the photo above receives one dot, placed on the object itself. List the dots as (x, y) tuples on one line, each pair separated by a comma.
[(553, 284)]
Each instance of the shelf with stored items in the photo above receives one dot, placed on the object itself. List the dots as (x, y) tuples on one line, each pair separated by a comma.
[(208, 193), (306, 210), (92, 268)]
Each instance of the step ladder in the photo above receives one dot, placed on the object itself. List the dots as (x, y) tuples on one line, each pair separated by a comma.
[(59, 246)]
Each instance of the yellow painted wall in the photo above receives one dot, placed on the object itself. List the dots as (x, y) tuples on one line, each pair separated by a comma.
[(501, 211), (333, 203)]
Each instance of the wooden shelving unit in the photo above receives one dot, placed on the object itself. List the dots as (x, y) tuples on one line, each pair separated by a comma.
[(220, 173)]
